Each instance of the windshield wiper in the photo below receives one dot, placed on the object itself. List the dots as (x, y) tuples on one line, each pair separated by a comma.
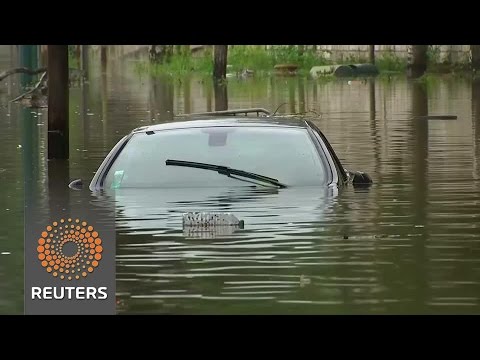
[(225, 170)]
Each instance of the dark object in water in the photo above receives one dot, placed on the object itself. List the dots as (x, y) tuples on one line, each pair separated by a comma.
[(349, 70), (76, 184), (356, 70), (437, 117)]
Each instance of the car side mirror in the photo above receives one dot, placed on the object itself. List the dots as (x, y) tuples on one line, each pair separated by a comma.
[(359, 178), (76, 184)]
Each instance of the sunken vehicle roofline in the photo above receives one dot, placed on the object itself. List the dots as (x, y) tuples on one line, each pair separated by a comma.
[(237, 121), (238, 118)]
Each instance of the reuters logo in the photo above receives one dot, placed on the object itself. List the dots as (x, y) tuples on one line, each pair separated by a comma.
[(69, 249)]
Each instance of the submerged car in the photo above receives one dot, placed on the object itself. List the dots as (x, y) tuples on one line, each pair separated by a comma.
[(221, 150)]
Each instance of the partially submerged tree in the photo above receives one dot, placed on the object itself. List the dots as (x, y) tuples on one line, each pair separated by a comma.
[(58, 95), (418, 61), (371, 54), (220, 62), (219, 75)]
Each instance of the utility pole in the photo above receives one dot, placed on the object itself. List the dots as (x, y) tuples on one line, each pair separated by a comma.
[(371, 53)]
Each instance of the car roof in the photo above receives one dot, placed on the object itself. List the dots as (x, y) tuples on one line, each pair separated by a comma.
[(228, 121)]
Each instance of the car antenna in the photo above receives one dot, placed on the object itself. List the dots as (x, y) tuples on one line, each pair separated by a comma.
[(279, 106)]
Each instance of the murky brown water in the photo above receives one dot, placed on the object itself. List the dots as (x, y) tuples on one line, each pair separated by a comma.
[(409, 244)]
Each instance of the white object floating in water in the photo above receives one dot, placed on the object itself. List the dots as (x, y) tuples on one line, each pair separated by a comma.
[(207, 219), (19, 146), (90, 114), (5, 253)]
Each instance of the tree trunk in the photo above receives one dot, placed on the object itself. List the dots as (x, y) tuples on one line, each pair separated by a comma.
[(58, 134), (418, 63), (78, 54), (220, 62), (103, 58), (371, 54), (475, 49), (371, 92), (43, 55), (221, 95), (84, 62)]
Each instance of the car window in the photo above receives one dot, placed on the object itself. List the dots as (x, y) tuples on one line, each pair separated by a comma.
[(287, 154)]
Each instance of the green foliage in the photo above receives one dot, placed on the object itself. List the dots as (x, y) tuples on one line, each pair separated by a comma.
[(261, 59), (249, 57), (390, 62), (240, 57), (180, 64)]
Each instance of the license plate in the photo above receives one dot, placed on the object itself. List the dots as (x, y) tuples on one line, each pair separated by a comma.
[(213, 232)]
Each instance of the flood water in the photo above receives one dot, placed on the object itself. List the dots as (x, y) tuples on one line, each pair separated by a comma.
[(409, 244)]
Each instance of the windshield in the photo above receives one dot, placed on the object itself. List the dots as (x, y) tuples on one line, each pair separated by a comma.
[(286, 154)]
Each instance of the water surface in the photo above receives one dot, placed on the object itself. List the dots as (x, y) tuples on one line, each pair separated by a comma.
[(409, 244)]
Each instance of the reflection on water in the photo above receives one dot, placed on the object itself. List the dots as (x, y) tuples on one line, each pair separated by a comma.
[(408, 244)]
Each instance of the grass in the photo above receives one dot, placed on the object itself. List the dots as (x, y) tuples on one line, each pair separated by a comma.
[(263, 60), (180, 64), (240, 57), (72, 59)]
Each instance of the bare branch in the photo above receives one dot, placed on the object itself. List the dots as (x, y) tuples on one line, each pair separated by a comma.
[(22, 70), (43, 78)]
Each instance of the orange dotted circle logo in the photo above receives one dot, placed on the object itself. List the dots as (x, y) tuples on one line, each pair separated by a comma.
[(69, 249)]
